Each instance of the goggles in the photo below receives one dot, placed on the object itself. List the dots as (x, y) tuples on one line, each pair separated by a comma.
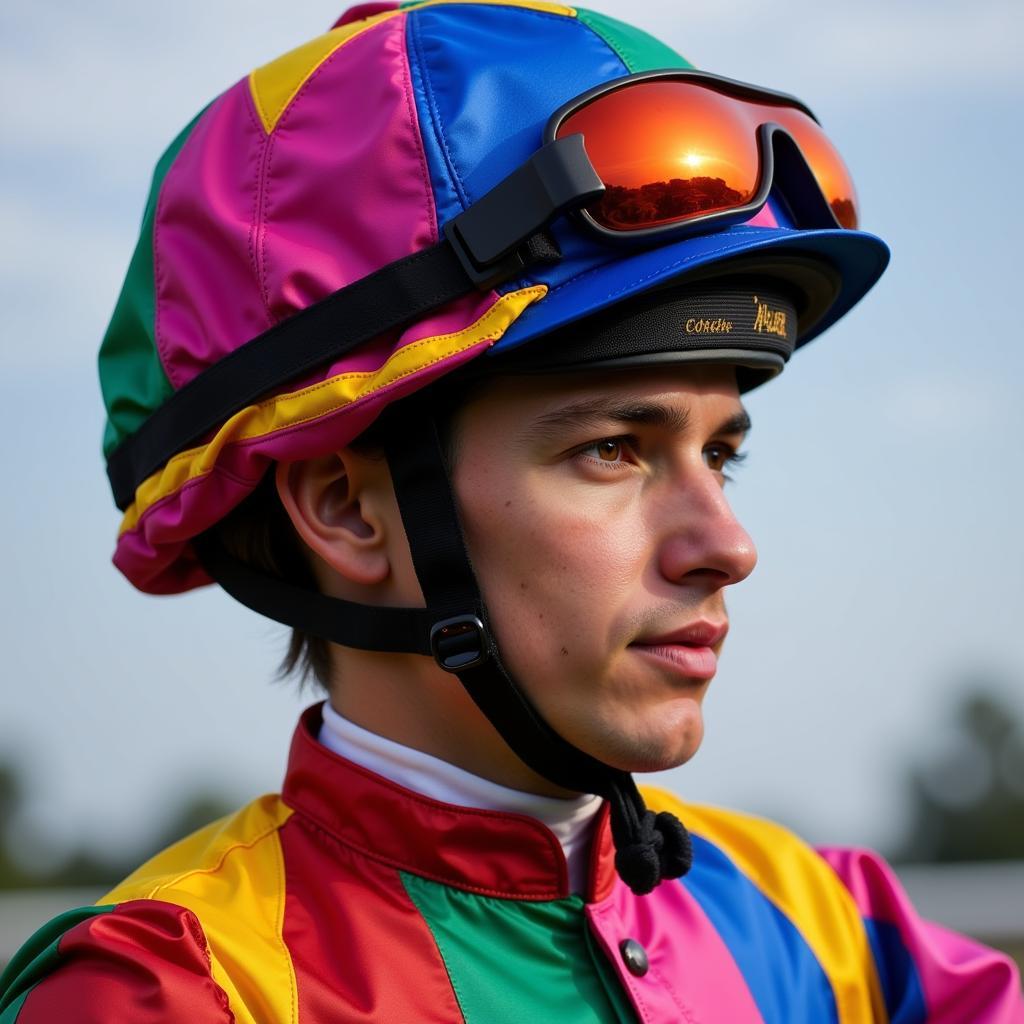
[(688, 148), (652, 155), (661, 154)]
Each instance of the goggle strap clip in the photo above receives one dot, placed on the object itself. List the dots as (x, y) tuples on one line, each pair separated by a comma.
[(489, 236)]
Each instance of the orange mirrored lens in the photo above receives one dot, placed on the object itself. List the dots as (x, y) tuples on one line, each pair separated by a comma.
[(666, 151), (671, 150)]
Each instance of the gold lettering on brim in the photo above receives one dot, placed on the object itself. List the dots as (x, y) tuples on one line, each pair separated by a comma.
[(768, 320), (708, 325)]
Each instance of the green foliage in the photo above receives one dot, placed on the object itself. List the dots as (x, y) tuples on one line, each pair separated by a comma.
[(82, 868), (968, 801)]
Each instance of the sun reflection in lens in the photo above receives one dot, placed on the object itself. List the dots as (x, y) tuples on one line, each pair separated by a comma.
[(642, 140)]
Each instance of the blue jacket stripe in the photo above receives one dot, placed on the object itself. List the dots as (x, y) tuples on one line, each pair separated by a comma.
[(784, 977), (901, 984)]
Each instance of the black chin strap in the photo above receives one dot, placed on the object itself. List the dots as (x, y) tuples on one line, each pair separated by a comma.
[(649, 847), (454, 629)]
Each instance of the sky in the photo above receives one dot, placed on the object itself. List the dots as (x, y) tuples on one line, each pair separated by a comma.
[(882, 488)]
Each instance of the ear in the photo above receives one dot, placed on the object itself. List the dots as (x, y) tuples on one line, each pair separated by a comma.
[(336, 505)]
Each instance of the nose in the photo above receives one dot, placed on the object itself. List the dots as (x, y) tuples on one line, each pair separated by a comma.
[(703, 541)]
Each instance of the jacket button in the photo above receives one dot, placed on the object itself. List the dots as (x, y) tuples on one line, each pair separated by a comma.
[(634, 956)]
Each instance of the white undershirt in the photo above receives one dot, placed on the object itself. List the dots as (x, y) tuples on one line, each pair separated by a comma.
[(570, 820)]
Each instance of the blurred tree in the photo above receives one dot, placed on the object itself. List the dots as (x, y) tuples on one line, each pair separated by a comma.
[(968, 802), (197, 810), (11, 876), (81, 867)]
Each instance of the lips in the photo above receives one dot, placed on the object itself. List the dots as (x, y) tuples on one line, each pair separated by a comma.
[(687, 652), (696, 634)]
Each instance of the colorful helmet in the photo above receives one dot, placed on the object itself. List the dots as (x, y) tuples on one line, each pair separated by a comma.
[(331, 162), (338, 230)]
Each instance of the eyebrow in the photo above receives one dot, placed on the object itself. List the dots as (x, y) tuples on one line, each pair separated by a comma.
[(597, 412), (736, 424)]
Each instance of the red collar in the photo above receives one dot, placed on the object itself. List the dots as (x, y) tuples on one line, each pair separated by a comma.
[(490, 852)]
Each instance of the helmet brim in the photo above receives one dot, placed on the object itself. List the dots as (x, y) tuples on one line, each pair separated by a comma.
[(828, 271)]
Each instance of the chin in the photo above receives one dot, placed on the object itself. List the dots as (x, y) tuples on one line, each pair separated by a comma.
[(661, 763), (671, 742)]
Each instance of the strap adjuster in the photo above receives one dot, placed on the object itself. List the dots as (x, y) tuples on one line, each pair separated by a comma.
[(488, 237), (459, 643)]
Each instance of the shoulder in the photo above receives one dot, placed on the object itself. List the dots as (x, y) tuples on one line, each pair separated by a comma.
[(757, 880), (193, 934), (94, 963), (243, 841), (787, 870), (745, 835), (847, 909)]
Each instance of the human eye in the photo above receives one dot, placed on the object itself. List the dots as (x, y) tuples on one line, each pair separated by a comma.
[(719, 456), (610, 452)]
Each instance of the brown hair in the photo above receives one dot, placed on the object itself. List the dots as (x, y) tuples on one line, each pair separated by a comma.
[(259, 533)]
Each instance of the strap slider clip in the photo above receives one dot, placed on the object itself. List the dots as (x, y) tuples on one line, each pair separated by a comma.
[(491, 237), (459, 643)]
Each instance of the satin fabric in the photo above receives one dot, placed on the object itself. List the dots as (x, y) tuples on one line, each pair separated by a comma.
[(352, 899)]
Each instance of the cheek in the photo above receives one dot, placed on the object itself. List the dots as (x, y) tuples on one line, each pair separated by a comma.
[(556, 572)]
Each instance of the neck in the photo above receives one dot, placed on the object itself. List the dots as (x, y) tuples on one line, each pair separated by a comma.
[(409, 700)]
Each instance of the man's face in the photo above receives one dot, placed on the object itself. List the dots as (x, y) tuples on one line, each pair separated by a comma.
[(595, 517)]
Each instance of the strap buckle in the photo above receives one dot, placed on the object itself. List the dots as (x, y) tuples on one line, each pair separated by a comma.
[(459, 643), (489, 235)]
